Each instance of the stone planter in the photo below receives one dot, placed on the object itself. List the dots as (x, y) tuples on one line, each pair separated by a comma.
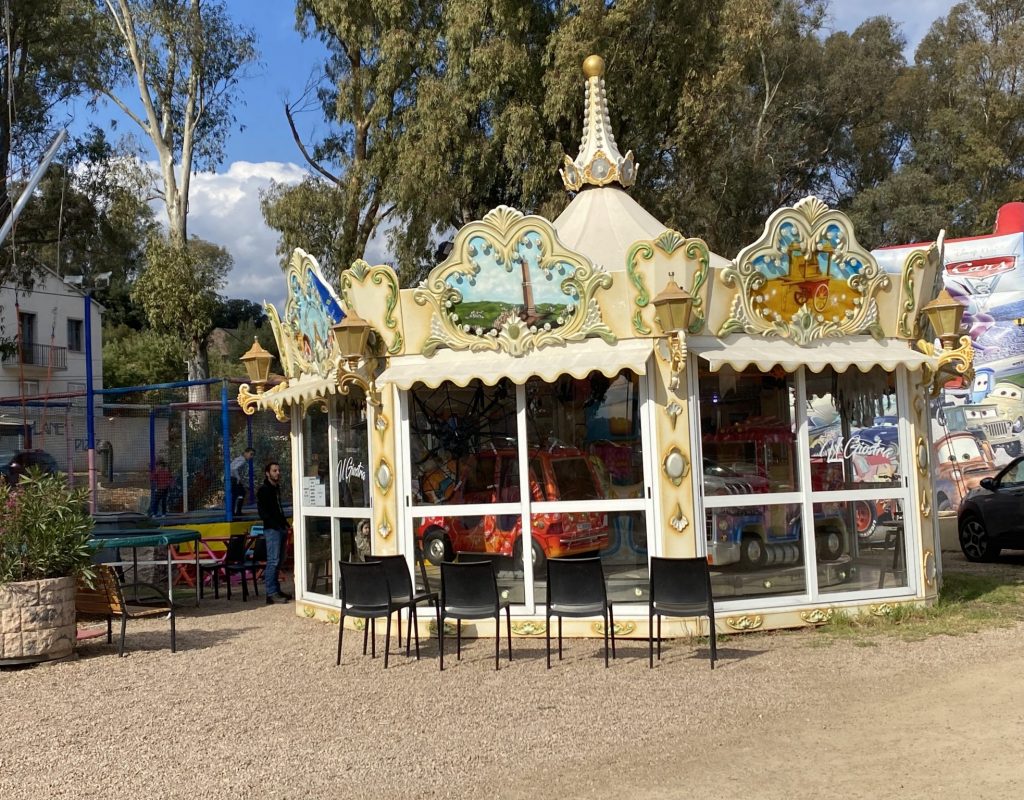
[(37, 620)]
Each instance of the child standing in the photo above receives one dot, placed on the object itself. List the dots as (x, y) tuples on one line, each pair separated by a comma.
[(161, 479)]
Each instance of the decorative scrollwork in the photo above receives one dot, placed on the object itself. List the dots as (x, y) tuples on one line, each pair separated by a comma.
[(529, 628), (882, 610), (908, 323), (929, 567), (808, 259), (817, 616), (380, 275), (747, 622), (508, 238), (952, 363), (620, 628), (678, 522)]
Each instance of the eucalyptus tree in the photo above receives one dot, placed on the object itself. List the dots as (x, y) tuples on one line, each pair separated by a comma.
[(172, 67)]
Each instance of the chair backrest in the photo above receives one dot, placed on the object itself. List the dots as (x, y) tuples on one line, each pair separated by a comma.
[(104, 598), (397, 571), (422, 566), (681, 580), (576, 581), (236, 548), (363, 583), (469, 585), (259, 549)]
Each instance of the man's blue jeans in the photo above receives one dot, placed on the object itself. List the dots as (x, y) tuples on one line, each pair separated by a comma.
[(275, 544)]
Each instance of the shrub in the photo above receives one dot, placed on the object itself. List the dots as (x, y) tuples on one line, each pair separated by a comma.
[(44, 529)]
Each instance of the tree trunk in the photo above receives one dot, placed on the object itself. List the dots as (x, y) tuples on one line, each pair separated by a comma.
[(198, 370)]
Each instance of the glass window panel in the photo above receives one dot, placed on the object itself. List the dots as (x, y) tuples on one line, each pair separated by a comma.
[(597, 418), (315, 465), (854, 432), (621, 539), (353, 482), (874, 557), (457, 435), (748, 431), (491, 537), (319, 560), (756, 550)]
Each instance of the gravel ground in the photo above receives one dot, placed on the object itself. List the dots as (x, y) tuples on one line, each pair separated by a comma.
[(252, 702)]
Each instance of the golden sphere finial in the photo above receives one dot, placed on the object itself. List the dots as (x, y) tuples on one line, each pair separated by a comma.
[(593, 66)]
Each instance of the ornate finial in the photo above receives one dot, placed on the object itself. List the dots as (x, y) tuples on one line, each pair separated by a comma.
[(599, 161)]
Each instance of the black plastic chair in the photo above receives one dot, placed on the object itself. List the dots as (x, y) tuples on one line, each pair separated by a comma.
[(365, 594), (235, 560), (680, 587), (403, 594), (576, 589), (470, 591)]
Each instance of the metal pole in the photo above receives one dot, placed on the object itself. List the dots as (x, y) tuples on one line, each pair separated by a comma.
[(184, 463), (225, 433), (33, 181), (90, 426)]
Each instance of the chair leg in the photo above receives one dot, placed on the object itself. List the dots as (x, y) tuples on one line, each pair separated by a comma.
[(245, 588), (547, 638), (440, 638), (227, 580), (659, 637), (341, 634), (437, 613), (458, 639), (366, 634), (508, 630), (174, 645), (497, 640), (559, 638), (120, 647), (255, 585), (712, 639), (650, 638), (387, 641), (373, 638), (110, 637), (606, 627), (415, 625), (611, 627), (399, 630)]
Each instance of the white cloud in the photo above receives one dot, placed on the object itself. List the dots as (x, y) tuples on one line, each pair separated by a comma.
[(915, 18), (224, 208)]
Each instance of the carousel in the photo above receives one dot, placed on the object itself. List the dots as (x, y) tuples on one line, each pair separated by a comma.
[(601, 385)]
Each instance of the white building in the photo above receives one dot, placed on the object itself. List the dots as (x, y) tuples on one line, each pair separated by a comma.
[(47, 326)]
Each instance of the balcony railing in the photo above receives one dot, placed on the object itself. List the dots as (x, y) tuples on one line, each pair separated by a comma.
[(40, 355)]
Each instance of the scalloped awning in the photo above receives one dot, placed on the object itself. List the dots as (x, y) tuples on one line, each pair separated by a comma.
[(578, 359), (863, 352), (300, 390)]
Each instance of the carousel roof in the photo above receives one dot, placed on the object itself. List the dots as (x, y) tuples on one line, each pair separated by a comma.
[(602, 221)]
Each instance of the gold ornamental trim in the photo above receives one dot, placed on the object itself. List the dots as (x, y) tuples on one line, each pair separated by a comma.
[(678, 522), (813, 229), (676, 465), (333, 617), (929, 568), (384, 529), (952, 363), (620, 628), (384, 476), (882, 610), (529, 628), (503, 234), (747, 622), (921, 456), (926, 503), (381, 275), (913, 266), (817, 616), (669, 242), (672, 411)]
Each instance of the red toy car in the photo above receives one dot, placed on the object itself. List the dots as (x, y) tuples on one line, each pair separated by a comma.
[(559, 473)]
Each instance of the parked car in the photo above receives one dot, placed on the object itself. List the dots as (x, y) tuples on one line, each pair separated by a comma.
[(15, 464), (990, 518), (559, 473)]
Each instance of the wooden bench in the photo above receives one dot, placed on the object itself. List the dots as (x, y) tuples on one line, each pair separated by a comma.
[(107, 599)]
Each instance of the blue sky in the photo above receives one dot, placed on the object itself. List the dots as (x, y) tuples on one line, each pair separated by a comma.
[(224, 206)]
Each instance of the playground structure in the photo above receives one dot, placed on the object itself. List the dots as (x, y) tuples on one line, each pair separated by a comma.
[(134, 428)]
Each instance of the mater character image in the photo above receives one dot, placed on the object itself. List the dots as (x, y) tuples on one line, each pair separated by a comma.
[(961, 462)]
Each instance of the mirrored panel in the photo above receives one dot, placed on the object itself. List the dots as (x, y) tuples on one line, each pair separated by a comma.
[(492, 537), (755, 550), (352, 448), (315, 456), (596, 419), (462, 443), (854, 432), (748, 431), (860, 545)]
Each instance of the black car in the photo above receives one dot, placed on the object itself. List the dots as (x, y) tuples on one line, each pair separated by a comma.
[(15, 464), (992, 517)]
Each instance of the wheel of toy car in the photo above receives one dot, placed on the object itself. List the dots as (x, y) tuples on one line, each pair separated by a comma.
[(975, 541), (753, 553), (537, 552), (830, 544), (436, 547)]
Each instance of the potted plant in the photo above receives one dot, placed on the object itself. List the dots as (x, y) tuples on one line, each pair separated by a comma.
[(44, 533)]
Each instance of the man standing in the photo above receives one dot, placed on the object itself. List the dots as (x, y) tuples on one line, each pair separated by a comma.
[(240, 478), (275, 529)]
